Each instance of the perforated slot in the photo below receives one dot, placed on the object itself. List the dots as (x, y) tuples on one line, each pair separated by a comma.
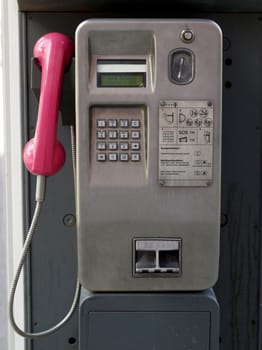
[(157, 256)]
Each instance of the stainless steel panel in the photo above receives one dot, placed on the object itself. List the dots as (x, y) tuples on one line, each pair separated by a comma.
[(111, 216)]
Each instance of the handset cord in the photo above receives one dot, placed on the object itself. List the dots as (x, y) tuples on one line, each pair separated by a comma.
[(40, 197)]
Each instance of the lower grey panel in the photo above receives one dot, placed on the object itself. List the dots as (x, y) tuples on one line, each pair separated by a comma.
[(149, 321), (147, 331)]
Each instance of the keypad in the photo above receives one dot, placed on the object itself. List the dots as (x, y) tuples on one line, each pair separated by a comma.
[(118, 140)]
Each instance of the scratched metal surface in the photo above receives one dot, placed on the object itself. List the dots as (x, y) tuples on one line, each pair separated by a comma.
[(52, 268)]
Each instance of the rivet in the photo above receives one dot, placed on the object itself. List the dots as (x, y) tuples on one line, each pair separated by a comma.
[(187, 35)]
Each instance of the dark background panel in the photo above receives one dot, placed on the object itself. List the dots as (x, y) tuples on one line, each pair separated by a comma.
[(119, 5), (238, 285), (53, 265), (52, 268)]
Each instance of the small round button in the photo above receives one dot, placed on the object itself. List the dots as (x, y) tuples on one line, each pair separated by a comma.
[(187, 35)]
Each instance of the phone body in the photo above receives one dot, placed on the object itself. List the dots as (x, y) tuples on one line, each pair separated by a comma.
[(148, 126)]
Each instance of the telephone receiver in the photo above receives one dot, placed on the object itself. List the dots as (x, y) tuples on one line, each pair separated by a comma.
[(44, 154)]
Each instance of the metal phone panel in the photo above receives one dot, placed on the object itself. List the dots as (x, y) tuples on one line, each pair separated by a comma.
[(111, 216)]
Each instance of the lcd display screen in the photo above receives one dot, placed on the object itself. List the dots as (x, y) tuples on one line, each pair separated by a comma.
[(121, 73), (121, 80)]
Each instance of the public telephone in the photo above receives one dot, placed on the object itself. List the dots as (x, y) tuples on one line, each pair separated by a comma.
[(148, 131), (148, 97)]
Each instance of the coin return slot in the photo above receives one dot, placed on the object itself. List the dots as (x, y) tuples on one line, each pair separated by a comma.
[(146, 260), (157, 257), (169, 260)]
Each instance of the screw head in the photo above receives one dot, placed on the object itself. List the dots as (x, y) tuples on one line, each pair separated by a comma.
[(69, 220), (187, 36)]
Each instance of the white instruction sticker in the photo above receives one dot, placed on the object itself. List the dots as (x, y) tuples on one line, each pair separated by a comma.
[(185, 143)]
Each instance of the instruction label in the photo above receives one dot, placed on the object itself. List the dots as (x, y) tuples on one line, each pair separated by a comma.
[(185, 143)]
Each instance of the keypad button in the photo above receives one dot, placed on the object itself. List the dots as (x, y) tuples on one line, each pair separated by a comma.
[(123, 134), (124, 157), (135, 123), (101, 123), (112, 157), (101, 157), (101, 146), (112, 123), (101, 134), (112, 134), (135, 146), (112, 145), (135, 157), (124, 146), (123, 123), (135, 134)]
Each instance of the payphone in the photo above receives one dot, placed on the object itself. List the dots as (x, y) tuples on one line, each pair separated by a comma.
[(148, 97), (148, 131)]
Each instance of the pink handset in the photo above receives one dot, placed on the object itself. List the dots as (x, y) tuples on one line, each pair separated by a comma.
[(44, 154)]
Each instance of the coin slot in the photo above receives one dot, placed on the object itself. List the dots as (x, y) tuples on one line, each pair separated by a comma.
[(181, 66)]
